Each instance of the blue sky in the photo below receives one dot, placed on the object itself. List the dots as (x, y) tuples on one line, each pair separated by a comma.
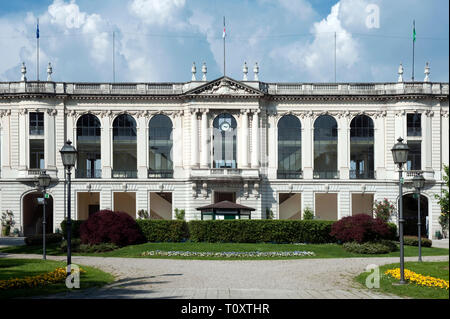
[(157, 40)]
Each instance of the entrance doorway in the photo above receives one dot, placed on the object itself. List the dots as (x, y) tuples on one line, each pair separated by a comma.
[(221, 196), (33, 212), (88, 203), (125, 202), (161, 205), (410, 215), (290, 205)]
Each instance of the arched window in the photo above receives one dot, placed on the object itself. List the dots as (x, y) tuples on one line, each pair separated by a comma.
[(124, 147), (289, 147), (88, 146), (325, 147), (361, 147), (224, 141), (160, 147)]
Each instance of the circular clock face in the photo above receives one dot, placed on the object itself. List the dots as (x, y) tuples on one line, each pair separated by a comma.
[(225, 126)]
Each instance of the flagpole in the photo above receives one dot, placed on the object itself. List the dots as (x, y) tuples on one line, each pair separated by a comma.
[(37, 50), (224, 34), (414, 40), (113, 58)]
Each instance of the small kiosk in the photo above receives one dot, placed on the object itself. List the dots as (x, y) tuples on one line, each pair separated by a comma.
[(225, 210)]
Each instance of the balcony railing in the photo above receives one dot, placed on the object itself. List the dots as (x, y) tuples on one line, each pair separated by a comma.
[(289, 174), (88, 173), (35, 171), (356, 174), (326, 174), (168, 173), (119, 173)]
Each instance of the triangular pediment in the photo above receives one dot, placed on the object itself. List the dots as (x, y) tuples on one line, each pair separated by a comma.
[(225, 86)]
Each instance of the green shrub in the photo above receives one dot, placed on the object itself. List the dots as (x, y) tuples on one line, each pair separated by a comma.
[(179, 214), (256, 231), (414, 241), (75, 228), (37, 239), (99, 248), (78, 247), (308, 214), (393, 231), (74, 243), (163, 230), (381, 247)]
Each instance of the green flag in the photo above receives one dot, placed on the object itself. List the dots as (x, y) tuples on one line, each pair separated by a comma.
[(414, 31)]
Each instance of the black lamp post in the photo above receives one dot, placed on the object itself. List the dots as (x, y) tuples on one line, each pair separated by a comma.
[(69, 157), (419, 182), (400, 155), (43, 182)]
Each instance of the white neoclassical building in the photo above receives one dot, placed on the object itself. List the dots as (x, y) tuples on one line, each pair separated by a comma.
[(278, 148)]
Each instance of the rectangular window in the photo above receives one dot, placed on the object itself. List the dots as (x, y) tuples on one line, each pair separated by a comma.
[(414, 156), (37, 154), (413, 123), (36, 123)]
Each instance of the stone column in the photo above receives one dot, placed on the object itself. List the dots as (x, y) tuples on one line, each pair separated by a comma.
[(23, 139), (343, 147), (49, 141), (255, 139), (194, 136), (244, 138), (427, 141), (142, 146), (204, 140), (106, 146), (177, 134), (5, 121), (445, 138), (307, 147), (379, 148)]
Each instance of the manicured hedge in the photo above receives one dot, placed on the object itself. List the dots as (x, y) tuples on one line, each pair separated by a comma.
[(381, 247), (75, 228), (38, 239), (163, 230), (255, 231), (414, 241)]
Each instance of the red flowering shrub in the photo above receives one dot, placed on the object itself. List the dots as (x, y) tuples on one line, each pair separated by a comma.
[(107, 226), (360, 228)]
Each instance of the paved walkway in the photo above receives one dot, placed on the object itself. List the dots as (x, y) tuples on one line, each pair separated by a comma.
[(11, 241), (440, 243), (239, 279)]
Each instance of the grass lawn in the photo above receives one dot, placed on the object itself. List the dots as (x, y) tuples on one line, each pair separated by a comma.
[(20, 268), (321, 250), (434, 269)]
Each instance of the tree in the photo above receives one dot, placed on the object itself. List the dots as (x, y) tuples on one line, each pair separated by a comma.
[(443, 202)]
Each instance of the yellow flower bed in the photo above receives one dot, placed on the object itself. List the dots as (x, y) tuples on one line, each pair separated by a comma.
[(419, 279), (58, 275)]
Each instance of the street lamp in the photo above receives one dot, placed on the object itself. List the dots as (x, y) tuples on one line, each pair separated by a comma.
[(400, 155), (69, 157), (43, 182), (419, 182)]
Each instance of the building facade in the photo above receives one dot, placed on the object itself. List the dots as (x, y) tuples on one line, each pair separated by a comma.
[(279, 148)]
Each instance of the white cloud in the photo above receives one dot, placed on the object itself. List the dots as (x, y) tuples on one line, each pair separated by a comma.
[(317, 56), (160, 12), (300, 8), (67, 16)]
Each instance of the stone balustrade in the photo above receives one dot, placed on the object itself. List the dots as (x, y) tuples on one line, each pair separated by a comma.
[(180, 88)]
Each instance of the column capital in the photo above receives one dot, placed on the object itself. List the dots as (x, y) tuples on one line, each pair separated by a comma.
[(203, 111), (244, 111)]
